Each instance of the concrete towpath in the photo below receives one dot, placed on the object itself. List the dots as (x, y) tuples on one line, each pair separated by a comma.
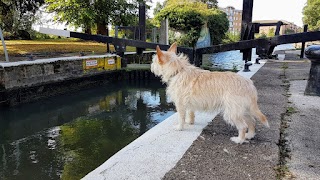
[(289, 149)]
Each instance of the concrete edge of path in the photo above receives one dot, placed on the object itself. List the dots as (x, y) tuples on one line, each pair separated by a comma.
[(157, 151), (303, 133)]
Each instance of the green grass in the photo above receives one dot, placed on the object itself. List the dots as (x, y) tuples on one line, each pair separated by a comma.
[(65, 45)]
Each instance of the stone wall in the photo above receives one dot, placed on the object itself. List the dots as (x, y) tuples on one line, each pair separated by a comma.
[(32, 73), (30, 80)]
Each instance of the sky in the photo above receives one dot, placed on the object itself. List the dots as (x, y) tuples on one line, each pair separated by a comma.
[(289, 10)]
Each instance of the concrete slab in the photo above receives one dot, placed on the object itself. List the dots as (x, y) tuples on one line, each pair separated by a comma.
[(303, 133), (157, 151), (152, 154), (253, 69)]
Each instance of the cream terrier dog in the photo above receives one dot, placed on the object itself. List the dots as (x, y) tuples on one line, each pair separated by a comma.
[(193, 89)]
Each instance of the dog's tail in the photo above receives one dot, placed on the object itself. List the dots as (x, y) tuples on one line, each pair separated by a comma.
[(258, 114)]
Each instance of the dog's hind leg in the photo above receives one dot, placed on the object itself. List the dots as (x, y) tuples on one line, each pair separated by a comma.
[(191, 116), (241, 137), (182, 117), (239, 122), (251, 127), (235, 116)]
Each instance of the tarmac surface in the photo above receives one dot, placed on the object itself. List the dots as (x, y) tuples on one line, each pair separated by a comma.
[(289, 149)]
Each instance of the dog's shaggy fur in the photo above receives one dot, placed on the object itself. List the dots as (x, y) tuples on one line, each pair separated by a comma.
[(193, 89)]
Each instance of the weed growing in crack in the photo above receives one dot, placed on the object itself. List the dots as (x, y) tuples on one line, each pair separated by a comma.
[(281, 169)]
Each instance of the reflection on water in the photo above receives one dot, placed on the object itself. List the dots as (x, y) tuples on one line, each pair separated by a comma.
[(68, 136), (233, 59)]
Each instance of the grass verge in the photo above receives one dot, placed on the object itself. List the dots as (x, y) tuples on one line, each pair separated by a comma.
[(47, 46)]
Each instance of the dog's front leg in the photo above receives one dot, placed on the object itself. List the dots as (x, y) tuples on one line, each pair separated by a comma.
[(191, 116), (182, 117)]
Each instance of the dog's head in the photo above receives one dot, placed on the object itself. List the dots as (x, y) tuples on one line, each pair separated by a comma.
[(162, 59)]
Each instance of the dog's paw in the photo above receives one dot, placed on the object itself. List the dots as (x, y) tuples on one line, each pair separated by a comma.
[(178, 128), (250, 135), (237, 140)]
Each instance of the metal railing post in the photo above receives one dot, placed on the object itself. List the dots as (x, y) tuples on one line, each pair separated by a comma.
[(4, 46), (303, 44)]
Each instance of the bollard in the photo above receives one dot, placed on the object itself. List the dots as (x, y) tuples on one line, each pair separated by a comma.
[(313, 86), (246, 67), (257, 60)]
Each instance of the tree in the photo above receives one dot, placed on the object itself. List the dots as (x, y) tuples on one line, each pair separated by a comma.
[(261, 35), (218, 25), (188, 17), (158, 8), (94, 14), (211, 3), (17, 16), (271, 32), (311, 15), (289, 31)]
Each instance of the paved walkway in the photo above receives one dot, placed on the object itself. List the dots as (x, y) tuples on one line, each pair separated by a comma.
[(290, 148)]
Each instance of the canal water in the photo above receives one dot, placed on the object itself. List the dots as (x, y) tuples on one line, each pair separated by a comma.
[(232, 60), (68, 136)]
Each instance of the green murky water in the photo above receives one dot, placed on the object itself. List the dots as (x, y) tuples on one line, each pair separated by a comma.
[(68, 136)]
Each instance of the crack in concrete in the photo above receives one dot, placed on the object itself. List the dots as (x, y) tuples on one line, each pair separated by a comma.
[(284, 149)]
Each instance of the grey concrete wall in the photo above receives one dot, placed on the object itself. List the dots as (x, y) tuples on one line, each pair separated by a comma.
[(32, 73), (26, 81)]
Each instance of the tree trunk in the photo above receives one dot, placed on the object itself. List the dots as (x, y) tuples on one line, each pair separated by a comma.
[(88, 30), (101, 28)]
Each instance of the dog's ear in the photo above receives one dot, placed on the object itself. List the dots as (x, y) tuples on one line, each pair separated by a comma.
[(173, 48), (160, 55)]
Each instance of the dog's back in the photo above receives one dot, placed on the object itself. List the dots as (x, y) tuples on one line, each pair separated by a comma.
[(205, 89)]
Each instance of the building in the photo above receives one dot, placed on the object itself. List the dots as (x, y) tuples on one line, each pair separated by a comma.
[(234, 17), (287, 28)]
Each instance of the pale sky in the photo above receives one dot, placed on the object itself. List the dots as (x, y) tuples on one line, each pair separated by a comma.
[(289, 10)]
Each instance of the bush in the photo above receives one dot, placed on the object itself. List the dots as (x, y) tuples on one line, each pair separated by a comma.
[(189, 39), (261, 35), (36, 35), (189, 17), (7, 35), (231, 37), (184, 19), (218, 25)]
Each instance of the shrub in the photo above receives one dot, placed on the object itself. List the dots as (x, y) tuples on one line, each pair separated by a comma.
[(218, 25), (189, 17), (231, 37)]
